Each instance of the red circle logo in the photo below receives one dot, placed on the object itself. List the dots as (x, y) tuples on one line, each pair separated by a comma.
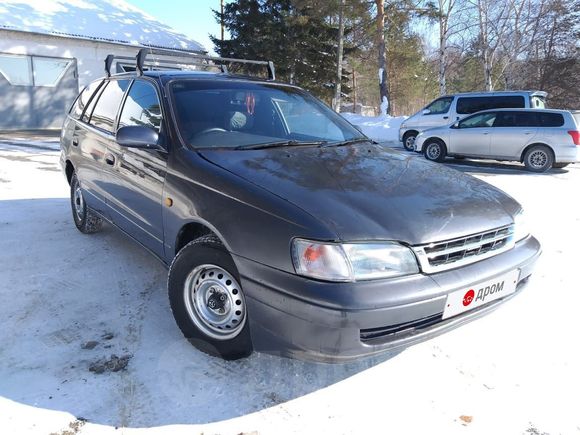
[(468, 298)]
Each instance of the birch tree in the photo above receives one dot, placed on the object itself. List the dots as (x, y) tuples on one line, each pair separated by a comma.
[(340, 51), (382, 59)]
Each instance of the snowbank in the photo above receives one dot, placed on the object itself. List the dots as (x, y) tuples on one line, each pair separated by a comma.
[(380, 128)]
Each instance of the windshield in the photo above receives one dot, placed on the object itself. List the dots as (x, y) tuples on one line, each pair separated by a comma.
[(234, 114)]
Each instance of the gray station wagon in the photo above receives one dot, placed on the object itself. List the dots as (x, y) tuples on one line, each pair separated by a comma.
[(541, 139), (285, 229)]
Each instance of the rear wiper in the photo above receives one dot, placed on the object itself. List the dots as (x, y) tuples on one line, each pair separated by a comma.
[(282, 143), (347, 142)]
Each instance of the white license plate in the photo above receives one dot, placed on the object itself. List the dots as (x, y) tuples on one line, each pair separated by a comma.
[(480, 294)]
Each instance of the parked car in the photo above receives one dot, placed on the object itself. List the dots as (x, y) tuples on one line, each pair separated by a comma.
[(450, 108), (541, 139), (284, 228)]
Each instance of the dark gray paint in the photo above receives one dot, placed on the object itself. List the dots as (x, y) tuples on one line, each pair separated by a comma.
[(257, 201)]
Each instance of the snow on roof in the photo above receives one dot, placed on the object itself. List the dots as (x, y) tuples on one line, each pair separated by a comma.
[(114, 21)]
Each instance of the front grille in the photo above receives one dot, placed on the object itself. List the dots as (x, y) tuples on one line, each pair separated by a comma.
[(449, 254)]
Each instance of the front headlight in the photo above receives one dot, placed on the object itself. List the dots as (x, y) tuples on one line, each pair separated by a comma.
[(352, 261), (521, 230)]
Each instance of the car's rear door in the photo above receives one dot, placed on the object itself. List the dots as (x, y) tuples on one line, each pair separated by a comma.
[(511, 132), (136, 176), (99, 120), (86, 153), (472, 135)]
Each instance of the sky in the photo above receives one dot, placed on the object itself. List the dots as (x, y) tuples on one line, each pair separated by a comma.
[(194, 18)]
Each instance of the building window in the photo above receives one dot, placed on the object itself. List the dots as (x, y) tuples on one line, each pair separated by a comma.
[(16, 69), (32, 70)]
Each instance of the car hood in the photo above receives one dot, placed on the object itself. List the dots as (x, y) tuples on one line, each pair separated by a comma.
[(368, 192)]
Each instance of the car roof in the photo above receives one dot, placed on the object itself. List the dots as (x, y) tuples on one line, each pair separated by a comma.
[(516, 109), (497, 93)]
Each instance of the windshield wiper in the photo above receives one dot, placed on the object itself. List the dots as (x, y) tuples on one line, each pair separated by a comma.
[(347, 142), (282, 143)]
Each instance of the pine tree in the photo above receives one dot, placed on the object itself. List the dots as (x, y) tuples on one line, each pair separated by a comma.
[(296, 35)]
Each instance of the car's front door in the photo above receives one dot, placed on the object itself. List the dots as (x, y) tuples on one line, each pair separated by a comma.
[(436, 113), (136, 176), (471, 136), (511, 132)]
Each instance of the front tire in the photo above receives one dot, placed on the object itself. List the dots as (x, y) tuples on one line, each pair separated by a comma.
[(409, 140), (207, 299), (86, 220), (435, 150), (538, 158)]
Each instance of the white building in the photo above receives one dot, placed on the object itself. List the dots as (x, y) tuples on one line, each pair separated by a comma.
[(50, 49)]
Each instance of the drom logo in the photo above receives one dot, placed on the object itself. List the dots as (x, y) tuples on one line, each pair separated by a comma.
[(468, 298)]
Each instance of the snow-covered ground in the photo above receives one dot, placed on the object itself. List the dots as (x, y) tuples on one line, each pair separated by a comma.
[(512, 372), (382, 128)]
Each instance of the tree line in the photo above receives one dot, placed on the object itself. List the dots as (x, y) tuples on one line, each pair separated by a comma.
[(399, 55)]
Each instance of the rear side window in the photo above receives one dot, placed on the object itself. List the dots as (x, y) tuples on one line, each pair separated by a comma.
[(141, 107), (83, 99), (439, 106), (517, 119), (478, 121), (551, 119), (107, 106), (466, 105)]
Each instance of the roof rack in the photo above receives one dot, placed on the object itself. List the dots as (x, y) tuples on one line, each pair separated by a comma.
[(202, 59)]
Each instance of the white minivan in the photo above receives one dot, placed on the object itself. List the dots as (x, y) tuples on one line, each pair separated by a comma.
[(450, 108)]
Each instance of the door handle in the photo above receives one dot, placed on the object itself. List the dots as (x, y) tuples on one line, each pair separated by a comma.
[(485, 132), (110, 159), (527, 132), (446, 117), (75, 142)]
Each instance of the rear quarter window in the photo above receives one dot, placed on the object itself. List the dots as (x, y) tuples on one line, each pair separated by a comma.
[(551, 120), (467, 105), (83, 99)]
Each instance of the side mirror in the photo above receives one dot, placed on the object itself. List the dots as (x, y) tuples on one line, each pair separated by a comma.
[(138, 136), (426, 112), (455, 125)]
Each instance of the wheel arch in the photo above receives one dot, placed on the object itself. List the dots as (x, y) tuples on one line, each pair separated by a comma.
[(192, 230), (525, 150)]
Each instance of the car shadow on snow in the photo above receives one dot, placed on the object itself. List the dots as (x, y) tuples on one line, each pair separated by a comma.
[(76, 300), (484, 167)]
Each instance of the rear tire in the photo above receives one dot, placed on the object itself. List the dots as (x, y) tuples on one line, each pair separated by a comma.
[(435, 150), (409, 140), (538, 158), (207, 299), (86, 220)]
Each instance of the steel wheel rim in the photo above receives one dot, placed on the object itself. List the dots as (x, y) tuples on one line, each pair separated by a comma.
[(433, 151), (78, 202), (215, 302), (410, 142), (538, 159)]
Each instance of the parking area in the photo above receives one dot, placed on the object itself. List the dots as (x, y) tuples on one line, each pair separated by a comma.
[(88, 344)]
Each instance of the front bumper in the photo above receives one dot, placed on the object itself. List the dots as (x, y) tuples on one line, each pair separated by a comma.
[(335, 322)]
